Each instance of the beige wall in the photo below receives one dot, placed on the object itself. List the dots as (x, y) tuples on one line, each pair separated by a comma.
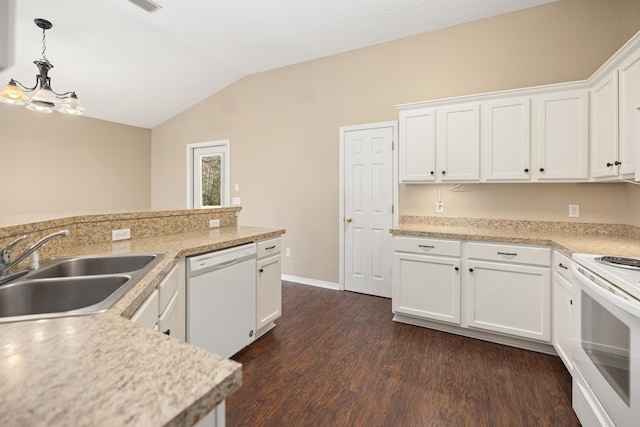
[(283, 124), (54, 165)]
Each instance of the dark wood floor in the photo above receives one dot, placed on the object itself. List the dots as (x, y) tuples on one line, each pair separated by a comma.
[(337, 359)]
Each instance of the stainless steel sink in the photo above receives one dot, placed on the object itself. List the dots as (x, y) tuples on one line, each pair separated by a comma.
[(94, 265), (73, 286)]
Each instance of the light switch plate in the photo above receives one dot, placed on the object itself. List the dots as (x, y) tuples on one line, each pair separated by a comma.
[(235, 201)]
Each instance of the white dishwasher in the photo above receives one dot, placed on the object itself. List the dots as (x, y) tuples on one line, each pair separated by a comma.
[(221, 299)]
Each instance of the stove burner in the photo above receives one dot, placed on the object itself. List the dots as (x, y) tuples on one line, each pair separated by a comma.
[(630, 263)]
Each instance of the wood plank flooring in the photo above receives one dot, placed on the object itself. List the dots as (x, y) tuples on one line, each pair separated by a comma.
[(337, 359)]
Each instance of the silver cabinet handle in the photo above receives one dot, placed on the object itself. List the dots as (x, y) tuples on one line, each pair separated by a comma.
[(507, 253)]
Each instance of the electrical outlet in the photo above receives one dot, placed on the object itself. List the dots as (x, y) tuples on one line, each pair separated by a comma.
[(439, 207), (287, 252), (574, 211), (235, 201), (213, 223), (122, 234)]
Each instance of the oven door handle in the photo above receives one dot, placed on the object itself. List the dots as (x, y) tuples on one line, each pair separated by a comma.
[(609, 292)]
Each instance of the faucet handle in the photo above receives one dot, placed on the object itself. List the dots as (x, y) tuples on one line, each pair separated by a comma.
[(4, 255)]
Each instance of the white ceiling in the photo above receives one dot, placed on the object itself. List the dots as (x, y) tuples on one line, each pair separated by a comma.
[(136, 68)]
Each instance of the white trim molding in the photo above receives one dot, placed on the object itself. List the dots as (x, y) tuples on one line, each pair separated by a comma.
[(310, 282)]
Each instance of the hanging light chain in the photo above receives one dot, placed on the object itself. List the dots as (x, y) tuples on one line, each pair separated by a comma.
[(44, 45)]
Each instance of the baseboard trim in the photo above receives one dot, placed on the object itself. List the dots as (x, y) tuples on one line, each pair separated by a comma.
[(311, 282)]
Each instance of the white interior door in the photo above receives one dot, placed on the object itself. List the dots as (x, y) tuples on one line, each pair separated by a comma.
[(368, 209)]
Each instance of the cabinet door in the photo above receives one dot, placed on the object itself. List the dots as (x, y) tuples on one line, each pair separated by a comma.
[(511, 299), (563, 136), (417, 145), (629, 91), (506, 139), (458, 143), (268, 291), (168, 322), (562, 319), (427, 287), (604, 127)]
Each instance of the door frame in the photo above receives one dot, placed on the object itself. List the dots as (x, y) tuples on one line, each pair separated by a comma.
[(394, 165), (227, 168)]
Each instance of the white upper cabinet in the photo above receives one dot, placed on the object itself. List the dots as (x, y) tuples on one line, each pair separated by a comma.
[(440, 144), (458, 143), (562, 143), (506, 139), (417, 145), (604, 127), (629, 90), (567, 132)]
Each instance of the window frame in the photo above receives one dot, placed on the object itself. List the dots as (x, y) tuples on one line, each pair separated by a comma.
[(223, 146)]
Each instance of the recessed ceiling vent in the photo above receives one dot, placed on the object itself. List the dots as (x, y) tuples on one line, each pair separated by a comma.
[(147, 5)]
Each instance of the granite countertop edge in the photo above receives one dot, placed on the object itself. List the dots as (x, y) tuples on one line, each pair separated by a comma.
[(159, 366)]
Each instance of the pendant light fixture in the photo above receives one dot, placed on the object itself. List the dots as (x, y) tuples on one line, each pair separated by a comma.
[(45, 99)]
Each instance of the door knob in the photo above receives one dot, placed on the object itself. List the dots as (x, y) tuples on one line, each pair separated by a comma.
[(348, 219)]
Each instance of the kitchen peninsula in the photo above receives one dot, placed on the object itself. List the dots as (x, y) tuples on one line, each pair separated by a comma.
[(104, 369)]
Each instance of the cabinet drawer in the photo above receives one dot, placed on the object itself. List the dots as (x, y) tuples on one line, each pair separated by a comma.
[(167, 288), (268, 247), (562, 265), (509, 253), (420, 245)]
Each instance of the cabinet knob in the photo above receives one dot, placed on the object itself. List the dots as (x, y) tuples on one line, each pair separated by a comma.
[(432, 173), (167, 332), (609, 164), (617, 163), (444, 172), (541, 169), (527, 170), (471, 270), (456, 268), (261, 270)]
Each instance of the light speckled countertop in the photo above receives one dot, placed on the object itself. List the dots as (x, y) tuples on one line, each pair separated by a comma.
[(106, 370), (567, 242)]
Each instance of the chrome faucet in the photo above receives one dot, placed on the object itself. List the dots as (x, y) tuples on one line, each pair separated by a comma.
[(6, 264)]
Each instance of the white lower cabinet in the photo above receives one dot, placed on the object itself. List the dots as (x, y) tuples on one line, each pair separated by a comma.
[(509, 289), (510, 299), (268, 285), (164, 309), (147, 314), (215, 418), (562, 304), (492, 291), (426, 279)]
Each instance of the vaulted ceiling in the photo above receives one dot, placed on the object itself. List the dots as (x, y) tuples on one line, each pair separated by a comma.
[(137, 68)]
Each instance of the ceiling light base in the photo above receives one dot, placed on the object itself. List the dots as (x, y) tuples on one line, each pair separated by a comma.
[(43, 23)]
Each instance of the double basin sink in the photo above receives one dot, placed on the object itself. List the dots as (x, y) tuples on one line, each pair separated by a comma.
[(72, 286)]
